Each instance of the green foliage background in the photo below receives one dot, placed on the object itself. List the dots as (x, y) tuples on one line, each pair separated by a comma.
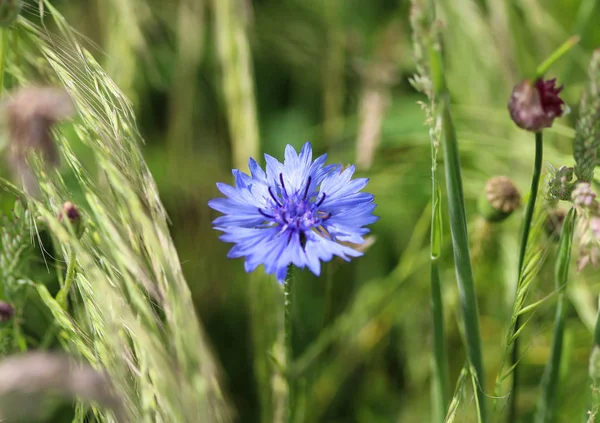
[(316, 69)]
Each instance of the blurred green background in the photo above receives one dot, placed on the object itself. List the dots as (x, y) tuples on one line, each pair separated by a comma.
[(213, 82)]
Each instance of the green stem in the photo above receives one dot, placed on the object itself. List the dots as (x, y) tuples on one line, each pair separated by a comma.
[(535, 183), (61, 297), (555, 56), (3, 52), (460, 242), (288, 291), (550, 378), (440, 370)]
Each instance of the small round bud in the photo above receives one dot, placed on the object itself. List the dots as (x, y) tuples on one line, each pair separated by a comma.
[(9, 11), (554, 223), (72, 214), (7, 311), (500, 198), (534, 106)]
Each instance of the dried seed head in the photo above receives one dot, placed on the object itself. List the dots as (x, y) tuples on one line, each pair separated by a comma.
[(500, 198), (7, 311), (70, 211), (9, 11), (534, 106), (554, 223), (30, 114)]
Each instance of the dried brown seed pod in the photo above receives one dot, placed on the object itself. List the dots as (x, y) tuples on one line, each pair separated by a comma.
[(30, 114), (500, 198)]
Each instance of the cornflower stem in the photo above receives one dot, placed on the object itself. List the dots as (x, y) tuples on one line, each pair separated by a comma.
[(561, 273), (61, 297), (3, 52), (535, 183), (460, 242), (288, 291)]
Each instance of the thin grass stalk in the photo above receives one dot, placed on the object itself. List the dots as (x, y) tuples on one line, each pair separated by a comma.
[(460, 242), (237, 78), (458, 223), (535, 183), (594, 373), (4, 33), (550, 378), (441, 397)]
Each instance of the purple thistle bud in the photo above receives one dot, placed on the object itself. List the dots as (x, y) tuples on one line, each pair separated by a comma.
[(7, 311), (534, 107)]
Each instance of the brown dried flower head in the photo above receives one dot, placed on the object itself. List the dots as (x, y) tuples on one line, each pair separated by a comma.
[(500, 198), (29, 114), (534, 106)]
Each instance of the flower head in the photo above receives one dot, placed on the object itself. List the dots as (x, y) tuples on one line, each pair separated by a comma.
[(534, 106), (297, 212)]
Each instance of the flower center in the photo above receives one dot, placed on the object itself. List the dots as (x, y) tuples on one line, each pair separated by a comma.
[(296, 211)]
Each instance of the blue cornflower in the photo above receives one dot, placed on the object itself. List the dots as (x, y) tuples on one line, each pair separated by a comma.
[(296, 213)]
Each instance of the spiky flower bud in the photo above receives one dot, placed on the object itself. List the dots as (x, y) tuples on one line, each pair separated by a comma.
[(500, 198), (554, 222), (72, 214), (560, 185), (534, 106), (7, 311), (9, 11)]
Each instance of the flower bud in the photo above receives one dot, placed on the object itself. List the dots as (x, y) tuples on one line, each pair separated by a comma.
[(554, 222), (583, 196), (500, 198), (7, 311), (534, 106), (9, 11), (72, 214)]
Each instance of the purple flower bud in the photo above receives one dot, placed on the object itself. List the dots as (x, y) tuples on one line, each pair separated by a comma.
[(72, 214), (583, 195), (535, 106)]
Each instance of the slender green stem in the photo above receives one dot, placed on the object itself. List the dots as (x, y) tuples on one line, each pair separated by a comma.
[(440, 370), (551, 372), (460, 242), (61, 297), (535, 183), (288, 290), (3, 52), (555, 56)]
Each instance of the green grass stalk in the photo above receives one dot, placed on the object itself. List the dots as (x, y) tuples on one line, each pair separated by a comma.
[(4, 33), (550, 378), (535, 183), (460, 242)]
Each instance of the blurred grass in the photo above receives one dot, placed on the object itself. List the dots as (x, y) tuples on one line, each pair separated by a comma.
[(293, 71)]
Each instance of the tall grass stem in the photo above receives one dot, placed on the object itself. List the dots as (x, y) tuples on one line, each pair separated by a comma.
[(460, 242), (550, 378), (535, 183)]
